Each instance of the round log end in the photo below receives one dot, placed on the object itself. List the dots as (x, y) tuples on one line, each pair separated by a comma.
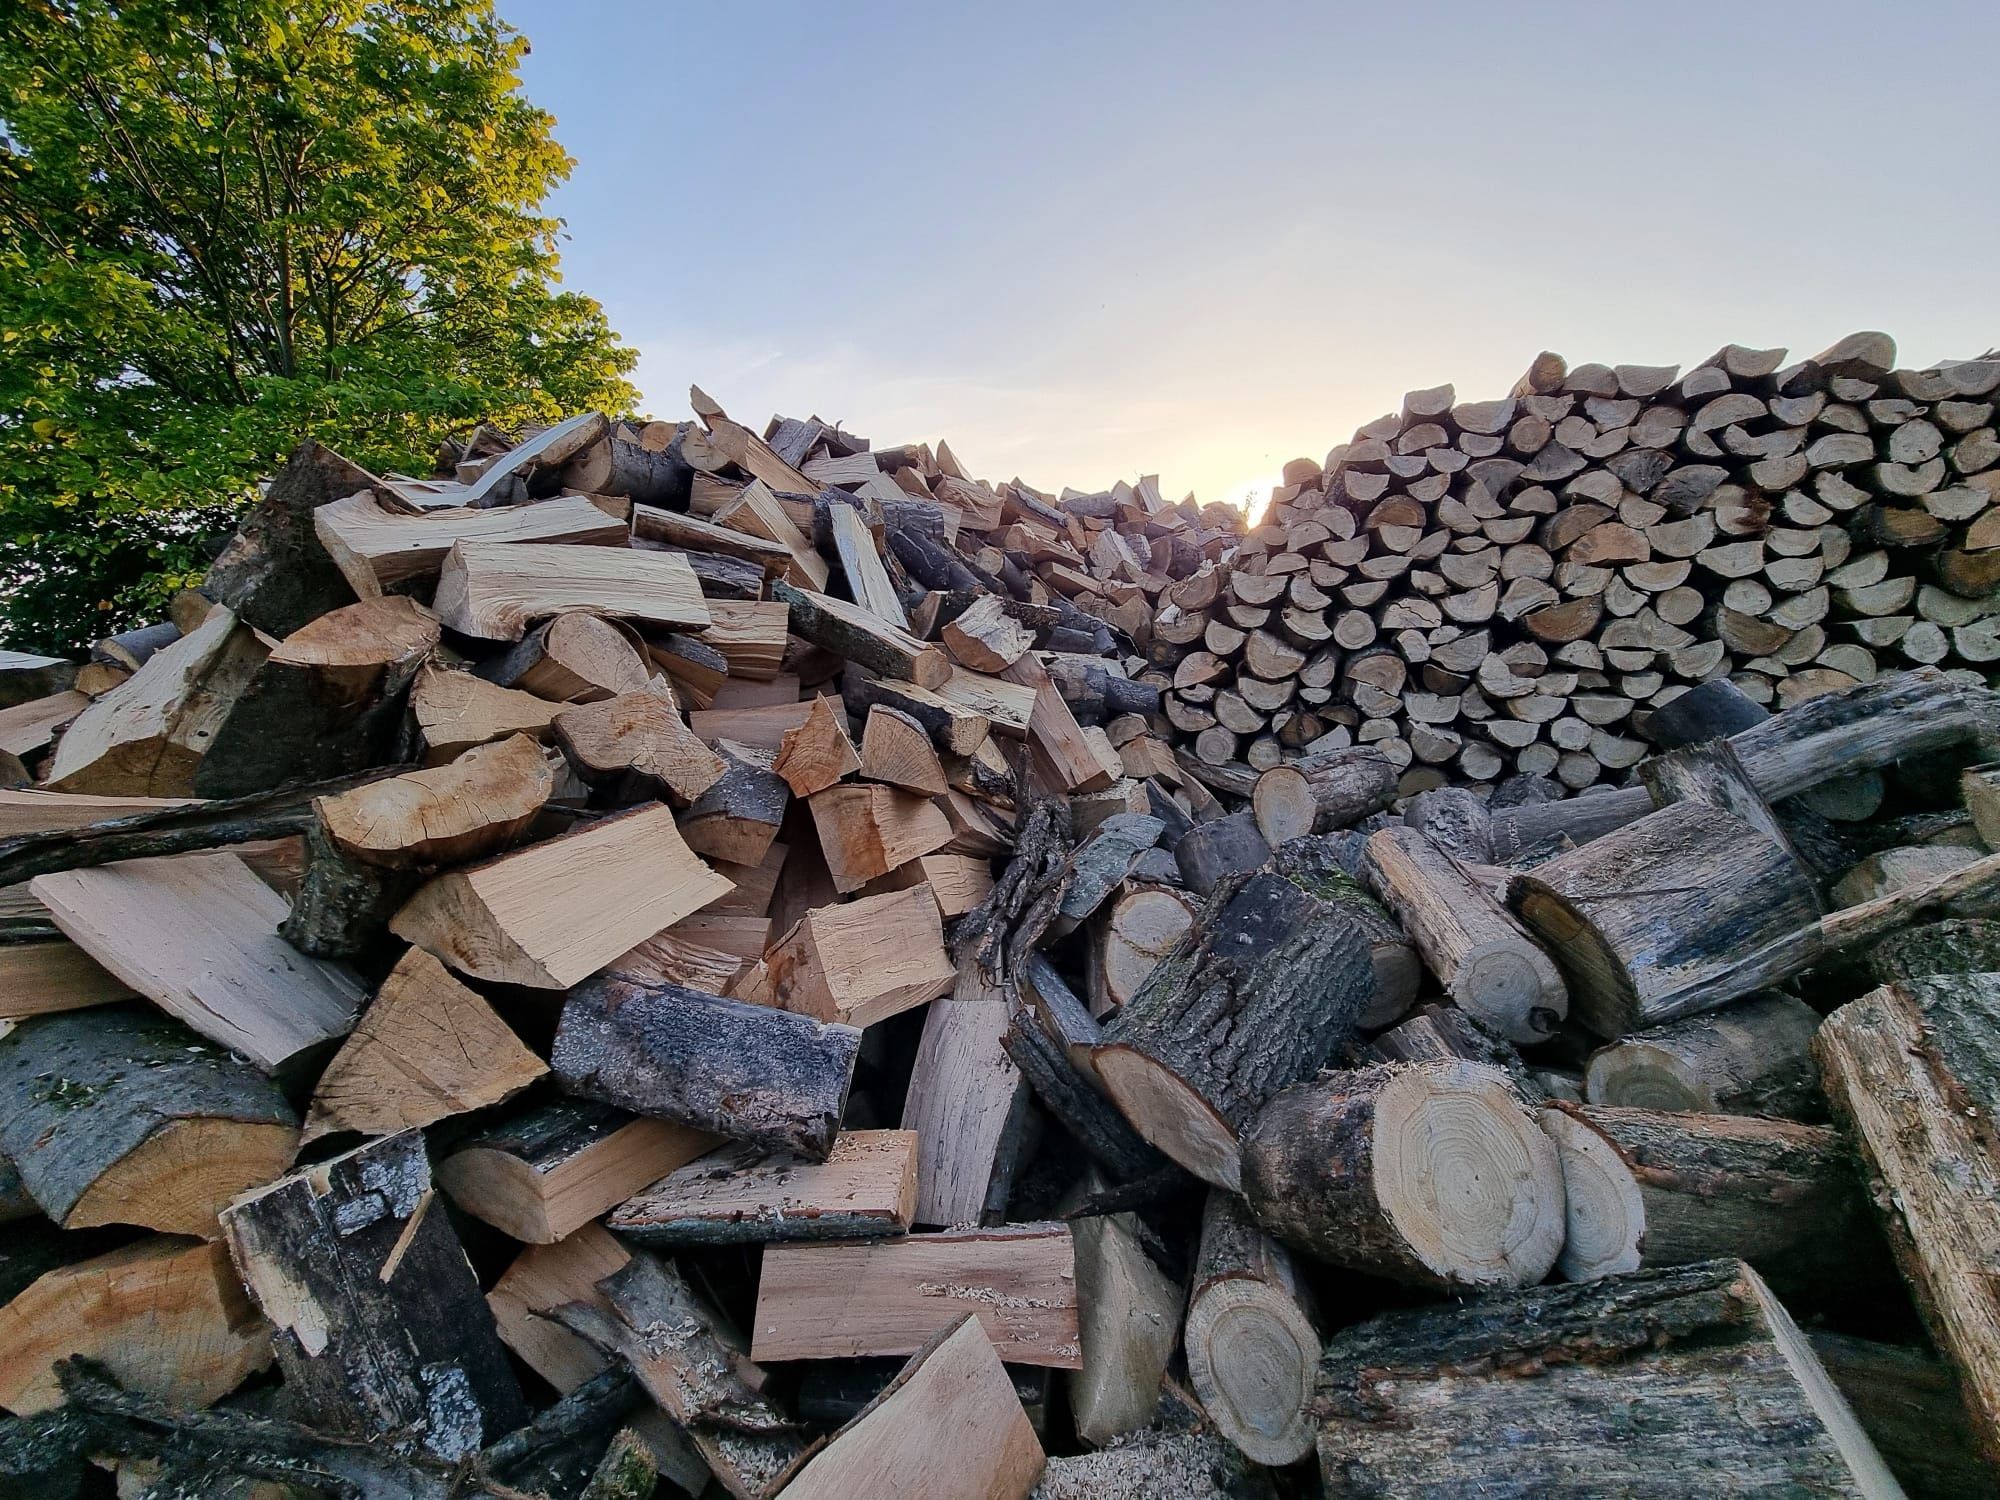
[(1474, 1188), (1512, 988), (1170, 1115), (1605, 1213), (184, 1174), (1640, 1075), (1251, 1358)]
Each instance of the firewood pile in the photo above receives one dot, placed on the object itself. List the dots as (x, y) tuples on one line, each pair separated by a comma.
[(659, 960)]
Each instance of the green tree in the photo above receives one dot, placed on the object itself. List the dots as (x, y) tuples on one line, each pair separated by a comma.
[(229, 224)]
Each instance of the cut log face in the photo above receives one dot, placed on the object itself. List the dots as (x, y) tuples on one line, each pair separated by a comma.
[(426, 1048), (197, 935), (1729, 1393), (381, 1328), (480, 803), (956, 1384), (985, 638), (165, 1317), (896, 749), (747, 1072), (640, 745), (551, 914), (818, 752), (867, 830), (1431, 1173), (863, 961), (121, 1116), (834, 1301), (456, 711), (1141, 929), (1753, 1058), (545, 1174), (574, 658), (495, 590), (740, 1194)]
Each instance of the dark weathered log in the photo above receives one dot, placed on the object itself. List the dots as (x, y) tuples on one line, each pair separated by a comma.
[(1754, 1058), (854, 634), (1430, 1173), (1957, 945), (381, 1328), (274, 573), (1096, 694), (1212, 852), (343, 905), (1321, 865), (1907, 1401), (1251, 1345), (1257, 997), (1436, 1033), (1709, 711), (743, 1071), (1101, 863), (1348, 784), (1689, 1382), (1456, 820), (1077, 1106)]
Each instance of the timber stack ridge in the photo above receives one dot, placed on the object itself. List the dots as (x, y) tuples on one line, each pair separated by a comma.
[(676, 959)]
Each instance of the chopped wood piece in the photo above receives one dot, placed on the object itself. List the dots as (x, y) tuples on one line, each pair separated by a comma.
[(896, 749), (640, 747), (862, 961), (42, 978), (1140, 930), (1980, 787), (867, 578), (426, 1048), (123, 1117), (165, 1317), (198, 936), (1749, 1059), (1725, 1388), (548, 915), (692, 534), (751, 634), (955, 1384), (456, 711), (1063, 756), (1256, 998), (543, 1278), (859, 636), (740, 1194), (551, 448), (747, 1072), (574, 658), (1483, 958), (481, 802), (381, 1328), (1284, 805), (866, 830), (1430, 1173), (818, 752), (832, 1301), (963, 1102), (1252, 1348), (737, 819), (1129, 1314), (376, 545), (985, 637), (495, 590), (755, 511), (1212, 852)]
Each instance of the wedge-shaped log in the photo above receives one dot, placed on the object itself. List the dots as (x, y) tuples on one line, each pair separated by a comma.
[(833, 1301), (896, 749), (1429, 1173), (197, 935), (1254, 999), (476, 805), (456, 711), (1129, 1315), (736, 820), (381, 1328), (963, 1100), (165, 1316), (425, 1049), (1689, 1382), (863, 961), (866, 830), (855, 634), (818, 752), (639, 747), (741, 1194), (123, 1116), (548, 915), (574, 658), (495, 590), (375, 546), (546, 1173), (747, 1072), (956, 1383)]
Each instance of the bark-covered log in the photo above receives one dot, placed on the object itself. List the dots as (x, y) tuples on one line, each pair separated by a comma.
[(1907, 1400), (1325, 865), (118, 1115), (1689, 1382), (1749, 1059), (1251, 1344), (1210, 853), (1957, 945), (274, 573), (343, 905), (743, 1071), (381, 1328), (1256, 998), (1709, 711), (612, 466), (1430, 1173)]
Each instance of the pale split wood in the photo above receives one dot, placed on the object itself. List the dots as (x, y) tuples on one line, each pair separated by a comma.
[(963, 1090)]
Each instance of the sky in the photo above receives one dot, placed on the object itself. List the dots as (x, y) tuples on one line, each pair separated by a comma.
[(1089, 241)]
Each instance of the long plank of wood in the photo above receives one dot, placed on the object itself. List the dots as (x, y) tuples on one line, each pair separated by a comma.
[(867, 578), (551, 446), (496, 590), (197, 935), (963, 1090), (672, 529), (955, 1385), (551, 914), (375, 546), (742, 1194), (893, 1296)]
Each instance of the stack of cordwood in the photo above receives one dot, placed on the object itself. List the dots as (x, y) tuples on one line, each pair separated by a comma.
[(664, 960)]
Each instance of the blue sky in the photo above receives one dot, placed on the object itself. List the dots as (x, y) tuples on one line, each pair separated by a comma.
[(1087, 241)]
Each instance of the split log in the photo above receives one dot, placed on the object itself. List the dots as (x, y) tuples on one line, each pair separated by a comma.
[(862, 961), (740, 1194), (1749, 1059), (964, 1102), (163, 1317), (541, 1176), (574, 658), (1908, 1070), (25, 677), (425, 1049), (985, 636), (1650, 1188), (1256, 998), (747, 1072), (456, 711), (896, 749), (1723, 1388), (756, 511), (854, 634), (1251, 1345), (955, 1383), (38, 979), (867, 578), (507, 475), (818, 752), (480, 803), (381, 1328), (198, 936), (496, 590), (1430, 1173), (122, 1117), (548, 915), (1980, 787), (1129, 1316), (686, 533), (866, 830), (377, 546), (639, 748), (736, 820), (1482, 957), (835, 1301)]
